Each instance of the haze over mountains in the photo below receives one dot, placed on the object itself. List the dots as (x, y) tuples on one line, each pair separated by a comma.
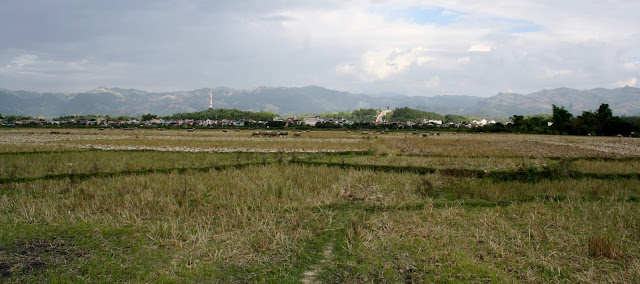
[(311, 99)]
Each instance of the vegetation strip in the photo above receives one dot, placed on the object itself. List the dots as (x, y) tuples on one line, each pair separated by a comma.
[(467, 203), (474, 157), (555, 158), (347, 153), (46, 152), (523, 175), (604, 159), (609, 176), (80, 176), (337, 153), (384, 168), (530, 175)]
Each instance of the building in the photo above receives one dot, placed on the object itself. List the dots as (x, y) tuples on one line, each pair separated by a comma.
[(312, 121)]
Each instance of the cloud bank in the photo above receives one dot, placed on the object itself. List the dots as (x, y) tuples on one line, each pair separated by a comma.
[(413, 47)]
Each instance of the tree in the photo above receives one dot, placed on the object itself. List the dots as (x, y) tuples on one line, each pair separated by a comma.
[(365, 114), (403, 114), (124, 117), (561, 118), (221, 113), (448, 118), (617, 125), (148, 116), (603, 119), (604, 113), (602, 122), (14, 117), (585, 124), (518, 120)]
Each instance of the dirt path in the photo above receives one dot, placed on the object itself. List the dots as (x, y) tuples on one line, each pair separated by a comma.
[(309, 276)]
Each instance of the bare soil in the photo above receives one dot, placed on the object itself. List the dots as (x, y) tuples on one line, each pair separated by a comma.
[(29, 258)]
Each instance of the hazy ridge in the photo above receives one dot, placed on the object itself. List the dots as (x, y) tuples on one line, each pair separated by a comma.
[(311, 99)]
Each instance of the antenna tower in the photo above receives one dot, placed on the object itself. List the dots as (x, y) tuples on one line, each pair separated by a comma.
[(210, 99)]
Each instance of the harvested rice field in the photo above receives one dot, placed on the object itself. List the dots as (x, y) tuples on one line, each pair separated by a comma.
[(318, 207)]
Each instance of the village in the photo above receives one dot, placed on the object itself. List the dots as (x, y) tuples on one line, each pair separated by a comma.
[(278, 122)]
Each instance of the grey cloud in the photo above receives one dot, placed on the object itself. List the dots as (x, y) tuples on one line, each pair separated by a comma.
[(180, 44), (278, 18)]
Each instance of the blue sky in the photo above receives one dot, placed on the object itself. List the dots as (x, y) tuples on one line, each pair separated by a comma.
[(414, 47)]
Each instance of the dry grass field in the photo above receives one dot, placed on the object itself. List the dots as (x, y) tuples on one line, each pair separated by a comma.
[(322, 207)]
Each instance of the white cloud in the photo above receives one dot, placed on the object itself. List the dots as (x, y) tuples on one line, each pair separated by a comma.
[(348, 45), (34, 65), (78, 75), (632, 65), (381, 64), (463, 60), (20, 61), (552, 73), (346, 68), (449, 13), (631, 82), (432, 83), (480, 47)]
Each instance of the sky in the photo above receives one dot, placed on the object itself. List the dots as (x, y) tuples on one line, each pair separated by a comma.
[(417, 48)]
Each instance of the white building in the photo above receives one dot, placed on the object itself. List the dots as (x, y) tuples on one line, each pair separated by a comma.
[(480, 123), (431, 121), (312, 121)]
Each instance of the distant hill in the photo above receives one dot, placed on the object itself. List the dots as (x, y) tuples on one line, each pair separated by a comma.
[(311, 99), (623, 101)]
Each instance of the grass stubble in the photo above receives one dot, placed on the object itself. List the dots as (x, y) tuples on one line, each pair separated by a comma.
[(282, 221)]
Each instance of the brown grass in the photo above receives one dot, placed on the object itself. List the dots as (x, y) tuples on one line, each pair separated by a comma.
[(266, 222), (601, 246)]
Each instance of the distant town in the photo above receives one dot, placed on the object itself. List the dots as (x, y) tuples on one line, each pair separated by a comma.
[(600, 122), (311, 121)]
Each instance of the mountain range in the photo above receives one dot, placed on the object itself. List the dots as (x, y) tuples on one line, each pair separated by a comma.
[(311, 99)]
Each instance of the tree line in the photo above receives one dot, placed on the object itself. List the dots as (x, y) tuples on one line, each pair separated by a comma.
[(225, 113), (561, 121), (600, 122)]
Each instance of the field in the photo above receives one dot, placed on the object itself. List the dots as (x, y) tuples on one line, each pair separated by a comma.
[(324, 207)]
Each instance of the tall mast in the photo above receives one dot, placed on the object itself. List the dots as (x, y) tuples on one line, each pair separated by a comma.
[(210, 99)]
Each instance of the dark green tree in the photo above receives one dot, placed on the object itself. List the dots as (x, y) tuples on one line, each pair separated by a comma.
[(449, 118), (585, 124), (518, 121), (148, 116), (232, 114), (604, 124), (365, 114), (561, 120), (404, 114), (604, 113), (14, 117)]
